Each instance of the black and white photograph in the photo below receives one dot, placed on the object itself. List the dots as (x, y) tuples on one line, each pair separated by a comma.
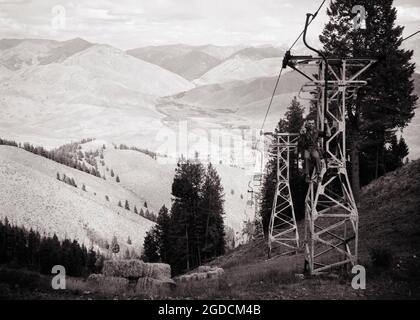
[(189, 150)]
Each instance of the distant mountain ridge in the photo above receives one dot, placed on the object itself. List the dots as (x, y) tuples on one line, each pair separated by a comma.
[(190, 62), (16, 54)]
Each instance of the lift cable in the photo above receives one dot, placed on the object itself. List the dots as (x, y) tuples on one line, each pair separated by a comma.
[(313, 18), (411, 35), (281, 70)]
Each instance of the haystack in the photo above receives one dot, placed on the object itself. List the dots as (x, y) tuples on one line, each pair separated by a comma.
[(135, 268), (108, 284), (132, 268), (154, 287)]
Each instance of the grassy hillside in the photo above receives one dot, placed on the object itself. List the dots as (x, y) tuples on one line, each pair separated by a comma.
[(151, 180), (389, 232), (390, 213), (389, 222), (32, 196)]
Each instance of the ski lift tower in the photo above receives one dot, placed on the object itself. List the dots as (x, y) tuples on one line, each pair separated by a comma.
[(283, 232), (331, 215), (254, 187)]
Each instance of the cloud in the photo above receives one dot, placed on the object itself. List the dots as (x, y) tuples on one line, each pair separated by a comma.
[(131, 23), (408, 14)]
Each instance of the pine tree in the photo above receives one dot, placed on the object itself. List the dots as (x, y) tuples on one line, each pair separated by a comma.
[(211, 220), (115, 247), (294, 118), (395, 153), (151, 246), (163, 225), (402, 149), (83, 187), (117, 179), (186, 192), (126, 206), (91, 260), (112, 173), (119, 203), (135, 210), (387, 102), (127, 254)]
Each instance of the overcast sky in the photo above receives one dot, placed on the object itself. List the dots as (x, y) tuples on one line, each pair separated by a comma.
[(134, 23)]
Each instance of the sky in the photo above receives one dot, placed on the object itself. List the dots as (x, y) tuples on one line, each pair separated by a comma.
[(129, 24)]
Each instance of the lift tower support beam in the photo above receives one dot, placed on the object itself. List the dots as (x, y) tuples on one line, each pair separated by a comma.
[(331, 214), (283, 232)]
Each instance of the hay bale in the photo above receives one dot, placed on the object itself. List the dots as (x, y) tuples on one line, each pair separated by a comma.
[(220, 271), (112, 285), (154, 287), (159, 271), (185, 278), (201, 276), (204, 268), (132, 268), (215, 273), (212, 274)]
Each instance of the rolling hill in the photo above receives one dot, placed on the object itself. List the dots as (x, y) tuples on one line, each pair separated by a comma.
[(32, 196), (93, 89), (16, 54), (186, 61), (236, 103), (151, 180), (240, 68)]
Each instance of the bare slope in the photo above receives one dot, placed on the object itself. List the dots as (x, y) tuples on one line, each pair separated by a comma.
[(31, 195), (151, 180), (95, 91), (186, 61), (240, 68), (19, 54)]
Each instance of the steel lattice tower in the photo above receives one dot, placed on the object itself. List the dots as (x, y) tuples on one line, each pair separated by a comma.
[(283, 232), (331, 215)]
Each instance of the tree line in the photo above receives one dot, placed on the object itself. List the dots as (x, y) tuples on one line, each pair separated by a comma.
[(192, 232), (151, 154), (66, 155), (22, 248)]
